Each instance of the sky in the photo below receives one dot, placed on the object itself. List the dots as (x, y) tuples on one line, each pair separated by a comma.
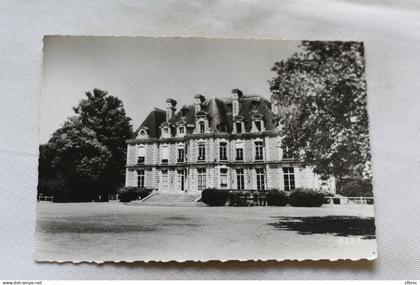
[(143, 72)]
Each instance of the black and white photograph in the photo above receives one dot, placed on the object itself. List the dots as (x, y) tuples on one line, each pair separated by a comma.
[(202, 149)]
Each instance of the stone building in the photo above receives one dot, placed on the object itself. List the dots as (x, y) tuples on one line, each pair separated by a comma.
[(221, 143)]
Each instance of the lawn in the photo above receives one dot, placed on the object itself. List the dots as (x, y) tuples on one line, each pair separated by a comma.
[(114, 231)]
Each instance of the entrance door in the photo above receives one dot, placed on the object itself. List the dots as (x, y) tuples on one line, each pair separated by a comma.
[(164, 181), (181, 181), (201, 179)]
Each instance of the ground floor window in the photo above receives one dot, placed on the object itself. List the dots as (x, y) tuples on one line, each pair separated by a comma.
[(223, 177), (140, 178), (260, 179), (181, 179), (289, 178), (240, 181), (201, 179)]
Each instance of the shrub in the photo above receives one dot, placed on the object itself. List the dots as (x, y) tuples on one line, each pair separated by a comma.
[(214, 197), (127, 194), (276, 198), (355, 187), (306, 198), (237, 198)]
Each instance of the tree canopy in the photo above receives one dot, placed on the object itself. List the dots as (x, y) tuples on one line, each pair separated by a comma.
[(321, 91), (85, 158)]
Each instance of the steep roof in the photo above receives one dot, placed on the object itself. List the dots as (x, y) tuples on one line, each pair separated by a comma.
[(152, 122), (219, 112)]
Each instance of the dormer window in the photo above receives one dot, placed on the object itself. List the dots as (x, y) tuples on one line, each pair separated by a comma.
[(142, 134), (238, 127), (165, 131), (181, 130), (258, 126), (202, 127)]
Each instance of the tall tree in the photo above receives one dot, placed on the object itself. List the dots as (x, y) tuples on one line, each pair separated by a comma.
[(85, 158), (321, 91)]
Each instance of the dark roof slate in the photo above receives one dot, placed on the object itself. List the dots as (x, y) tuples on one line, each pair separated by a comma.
[(153, 122), (219, 113)]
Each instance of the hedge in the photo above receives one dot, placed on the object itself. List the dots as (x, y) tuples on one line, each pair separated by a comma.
[(213, 197), (127, 194), (277, 198), (306, 198)]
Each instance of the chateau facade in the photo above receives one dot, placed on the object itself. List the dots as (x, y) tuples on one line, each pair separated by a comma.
[(221, 143)]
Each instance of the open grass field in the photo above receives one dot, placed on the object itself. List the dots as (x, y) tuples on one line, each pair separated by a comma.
[(114, 231)]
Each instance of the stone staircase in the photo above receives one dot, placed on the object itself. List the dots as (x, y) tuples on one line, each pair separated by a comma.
[(171, 200)]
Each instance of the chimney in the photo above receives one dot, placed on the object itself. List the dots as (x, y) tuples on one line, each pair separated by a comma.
[(170, 108), (237, 96), (198, 99)]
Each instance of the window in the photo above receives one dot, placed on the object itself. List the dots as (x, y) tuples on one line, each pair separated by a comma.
[(164, 181), (260, 179), (201, 179), (240, 179), (181, 154), (202, 127), (181, 179), (258, 150), (239, 151), (140, 178), (165, 130), (287, 154), (201, 151), (223, 151), (238, 127), (235, 108), (165, 154), (223, 178), (181, 130), (289, 178), (141, 153), (258, 125)]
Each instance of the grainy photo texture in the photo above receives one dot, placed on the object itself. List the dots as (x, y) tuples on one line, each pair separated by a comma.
[(162, 149)]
